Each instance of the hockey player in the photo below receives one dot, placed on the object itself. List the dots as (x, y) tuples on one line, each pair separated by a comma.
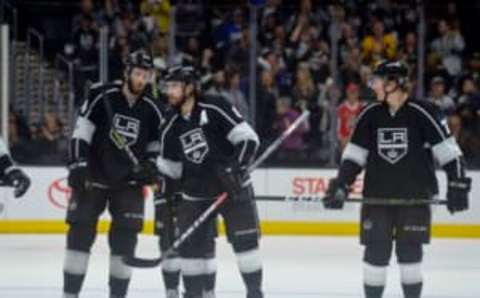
[(394, 141), (10, 175), (209, 146), (113, 119)]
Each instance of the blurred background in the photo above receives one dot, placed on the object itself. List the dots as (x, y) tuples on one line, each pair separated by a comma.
[(272, 59)]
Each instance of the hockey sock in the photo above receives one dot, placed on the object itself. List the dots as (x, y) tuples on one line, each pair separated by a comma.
[(171, 273), (119, 276), (411, 276), (374, 278), (210, 277), (74, 269), (193, 270), (250, 265), (373, 292)]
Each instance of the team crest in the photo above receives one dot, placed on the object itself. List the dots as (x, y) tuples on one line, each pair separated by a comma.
[(126, 130), (392, 143), (195, 146)]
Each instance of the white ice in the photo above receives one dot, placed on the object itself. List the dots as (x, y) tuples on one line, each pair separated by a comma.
[(31, 267)]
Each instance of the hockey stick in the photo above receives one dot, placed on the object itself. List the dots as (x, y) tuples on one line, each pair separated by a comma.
[(279, 140), (367, 201), (397, 201), (148, 263)]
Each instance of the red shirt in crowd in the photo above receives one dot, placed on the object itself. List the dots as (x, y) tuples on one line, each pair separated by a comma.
[(346, 114)]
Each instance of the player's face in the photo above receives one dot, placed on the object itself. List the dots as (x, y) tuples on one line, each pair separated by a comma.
[(377, 85), (175, 92), (139, 78)]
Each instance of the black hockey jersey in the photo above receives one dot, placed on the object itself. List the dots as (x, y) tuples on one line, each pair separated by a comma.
[(214, 134), (396, 150), (106, 109)]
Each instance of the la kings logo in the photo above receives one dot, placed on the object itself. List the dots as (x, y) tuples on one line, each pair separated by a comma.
[(392, 143), (127, 127), (195, 146)]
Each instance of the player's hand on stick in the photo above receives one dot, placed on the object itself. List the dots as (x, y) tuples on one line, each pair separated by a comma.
[(146, 173), (78, 175), (457, 194), (19, 180), (233, 179), (336, 194)]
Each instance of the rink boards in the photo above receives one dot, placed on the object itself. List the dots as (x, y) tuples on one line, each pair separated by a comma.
[(287, 200)]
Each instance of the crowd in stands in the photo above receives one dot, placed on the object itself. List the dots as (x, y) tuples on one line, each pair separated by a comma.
[(294, 69)]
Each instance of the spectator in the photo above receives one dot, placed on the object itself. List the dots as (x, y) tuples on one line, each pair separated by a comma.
[(51, 143), (157, 12), (447, 48), (439, 97), (408, 51), (239, 53), (86, 10), (191, 12), (304, 92), (350, 70), (468, 141), (293, 146), (379, 45), (348, 42), (235, 96), (85, 41), (18, 139), (233, 29), (117, 56), (265, 107), (218, 85), (469, 106), (347, 112), (192, 53)]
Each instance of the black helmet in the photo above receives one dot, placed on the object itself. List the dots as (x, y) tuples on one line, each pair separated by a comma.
[(139, 59), (392, 71), (181, 73)]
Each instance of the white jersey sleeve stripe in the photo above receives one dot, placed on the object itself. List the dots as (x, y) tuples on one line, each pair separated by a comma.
[(172, 169), (355, 153), (84, 129), (446, 151), (242, 132)]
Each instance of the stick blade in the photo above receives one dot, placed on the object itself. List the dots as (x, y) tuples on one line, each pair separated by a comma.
[(133, 261)]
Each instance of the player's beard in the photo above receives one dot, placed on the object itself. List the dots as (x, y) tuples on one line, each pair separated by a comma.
[(180, 99), (135, 89)]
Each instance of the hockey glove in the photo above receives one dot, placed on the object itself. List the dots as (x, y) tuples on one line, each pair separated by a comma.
[(336, 194), (146, 173), (233, 179), (457, 194), (78, 175), (19, 180)]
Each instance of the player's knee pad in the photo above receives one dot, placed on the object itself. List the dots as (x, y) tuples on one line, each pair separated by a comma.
[(122, 241), (408, 252), (171, 264), (80, 237), (378, 254), (248, 255)]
